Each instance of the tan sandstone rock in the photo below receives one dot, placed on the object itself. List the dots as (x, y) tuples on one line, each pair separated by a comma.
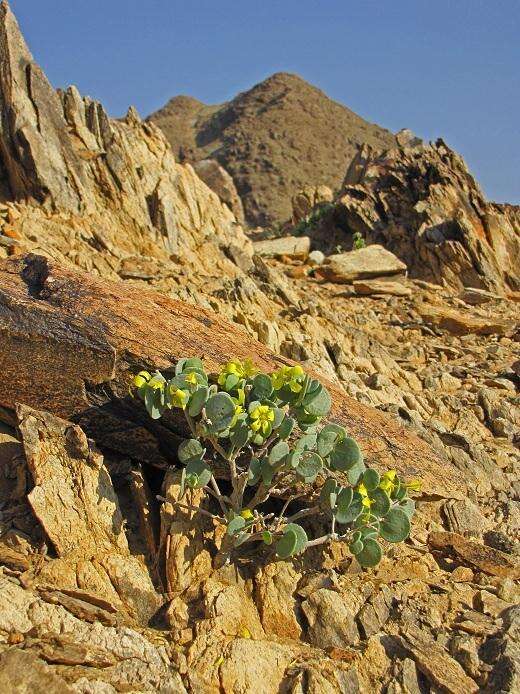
[(364, 263), (296, 247)]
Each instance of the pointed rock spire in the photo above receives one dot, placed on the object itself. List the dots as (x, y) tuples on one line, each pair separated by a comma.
[(35, 145)]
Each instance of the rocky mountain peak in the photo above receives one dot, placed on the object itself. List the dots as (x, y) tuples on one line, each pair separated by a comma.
[(273, 139)]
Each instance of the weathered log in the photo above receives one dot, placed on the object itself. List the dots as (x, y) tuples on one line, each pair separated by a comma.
[(69, 343)]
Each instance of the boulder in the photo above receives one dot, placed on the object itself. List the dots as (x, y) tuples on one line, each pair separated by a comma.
[(487, 559), (305, 200), (476, 297), (363, 263), (71, 343), (296, 247), (436, 663), (316, 258)]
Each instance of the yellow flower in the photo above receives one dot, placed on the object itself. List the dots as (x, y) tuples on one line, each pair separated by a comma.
[(156, 383), (191, 379), (238, 411), (387, 483), (263, 418), (247, 514), (364, 493), (291, 376), (141, 378), (414, 485), (179, 398), (244, 369)]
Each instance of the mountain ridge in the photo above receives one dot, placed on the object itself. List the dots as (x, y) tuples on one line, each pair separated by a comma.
[(273, 139)]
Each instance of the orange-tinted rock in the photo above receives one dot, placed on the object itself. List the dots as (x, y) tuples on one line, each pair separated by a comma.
[(80, 339)]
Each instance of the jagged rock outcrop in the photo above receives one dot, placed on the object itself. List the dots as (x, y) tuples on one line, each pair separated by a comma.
[(221, 183), (422, 204), (117, 180)]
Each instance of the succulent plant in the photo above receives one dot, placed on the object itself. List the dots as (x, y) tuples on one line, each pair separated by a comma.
[(267, 429)]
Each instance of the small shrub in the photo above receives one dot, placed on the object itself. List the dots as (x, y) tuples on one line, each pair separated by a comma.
[(357, 240), (306, 226), (267, 430)]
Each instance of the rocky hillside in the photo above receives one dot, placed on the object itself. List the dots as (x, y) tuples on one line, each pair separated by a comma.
[(273, 139), (421, 203), (114, 257)]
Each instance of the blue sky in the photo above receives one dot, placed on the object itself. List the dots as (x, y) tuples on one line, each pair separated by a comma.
[(447, 68)]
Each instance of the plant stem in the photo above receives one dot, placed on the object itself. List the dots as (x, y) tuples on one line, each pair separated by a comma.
[(219, 496), (189, 507), (284, 509), (312, 511)]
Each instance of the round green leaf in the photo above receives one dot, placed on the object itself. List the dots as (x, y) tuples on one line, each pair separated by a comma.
[(346, 454), (267, 472), (312, 389), (309, 465), (200, 470), (262, 387), (400, 493), (395, 526), (279, 415), (267, 537), (286, 427), (348, 514), (232, 380), (305, 419), (371, 553), (380, 502), (307, 442), (220, 410), (355, 473), (235, 525), (345, 497), (320, 404), (286, 545), (328, 493), (278, 453), (190, 449), (154, 402), (369, 531), (328, 437), (300, 534), (408, 506), (356, 546), (197, 401), (371, 479), (293, 459), (192, 363), (254, 472), (179, 366), (240, 435)]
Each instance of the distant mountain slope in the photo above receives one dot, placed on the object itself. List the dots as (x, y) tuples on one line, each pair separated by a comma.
[(273, 139)]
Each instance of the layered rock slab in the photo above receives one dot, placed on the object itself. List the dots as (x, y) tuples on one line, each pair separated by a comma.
[(108, 331)]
